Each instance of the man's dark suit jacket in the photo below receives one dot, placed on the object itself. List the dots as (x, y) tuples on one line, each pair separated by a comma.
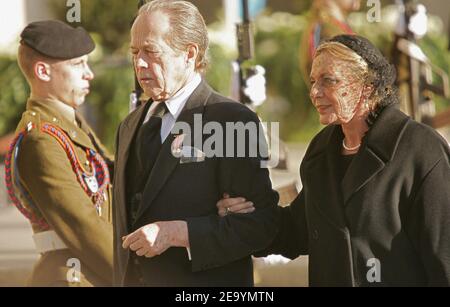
[(220, 247)]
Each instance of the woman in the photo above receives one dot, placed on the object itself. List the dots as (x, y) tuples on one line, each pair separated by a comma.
[(375, 203)]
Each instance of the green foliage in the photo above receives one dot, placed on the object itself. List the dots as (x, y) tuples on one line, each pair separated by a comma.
[(14, 92), (219, 74), (111, 19), (109, 98), (434, 47), (277, 49), (434, 44)]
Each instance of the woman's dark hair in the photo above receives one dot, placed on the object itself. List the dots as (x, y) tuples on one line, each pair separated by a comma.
[(382, 74)]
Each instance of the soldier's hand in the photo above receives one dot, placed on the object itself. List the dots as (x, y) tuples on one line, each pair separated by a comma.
[(229, 205), (154, 239)]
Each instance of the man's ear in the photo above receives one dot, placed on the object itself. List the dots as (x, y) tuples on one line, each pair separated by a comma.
[(42, 71), (192, 54)]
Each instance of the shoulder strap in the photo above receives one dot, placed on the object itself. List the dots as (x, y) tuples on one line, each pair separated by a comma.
[(12, 179), (93, 183)]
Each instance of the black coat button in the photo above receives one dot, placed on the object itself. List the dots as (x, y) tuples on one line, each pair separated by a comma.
[(315, 234)]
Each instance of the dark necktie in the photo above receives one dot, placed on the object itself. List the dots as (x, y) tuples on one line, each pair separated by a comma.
[(148, 140), (146, 150)]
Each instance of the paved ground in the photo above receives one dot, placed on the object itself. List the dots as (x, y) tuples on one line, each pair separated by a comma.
[(17, 253)]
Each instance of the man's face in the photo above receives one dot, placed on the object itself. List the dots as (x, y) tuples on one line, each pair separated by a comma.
[(161, 70), (70, 80), (335, 91)]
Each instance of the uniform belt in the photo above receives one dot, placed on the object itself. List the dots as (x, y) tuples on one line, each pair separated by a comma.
[(48, 241)]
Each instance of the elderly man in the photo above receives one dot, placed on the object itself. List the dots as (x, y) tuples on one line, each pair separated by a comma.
[(56, 169), (167, 231)]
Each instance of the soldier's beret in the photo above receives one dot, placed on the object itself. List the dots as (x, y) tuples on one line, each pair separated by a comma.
[(55, 39)]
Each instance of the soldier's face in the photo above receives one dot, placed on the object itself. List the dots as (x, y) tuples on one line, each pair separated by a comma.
[(70, 80), (335, 91), (161, 70)]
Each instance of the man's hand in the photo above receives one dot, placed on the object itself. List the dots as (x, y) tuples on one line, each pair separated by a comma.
[(229, 205), (154, 239)]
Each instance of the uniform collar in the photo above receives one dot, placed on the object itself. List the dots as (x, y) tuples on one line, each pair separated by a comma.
[(51, 113), (62, 109)]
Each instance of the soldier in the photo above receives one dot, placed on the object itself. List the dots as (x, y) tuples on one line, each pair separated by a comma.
[(57, 169), (326, 19)]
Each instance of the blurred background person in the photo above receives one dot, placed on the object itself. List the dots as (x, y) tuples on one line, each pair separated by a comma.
[(326, 19)]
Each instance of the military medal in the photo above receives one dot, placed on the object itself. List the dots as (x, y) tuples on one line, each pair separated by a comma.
[(99, 210), (91, 183)]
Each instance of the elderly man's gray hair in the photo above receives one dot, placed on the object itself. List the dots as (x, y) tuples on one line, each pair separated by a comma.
[(188, 27)]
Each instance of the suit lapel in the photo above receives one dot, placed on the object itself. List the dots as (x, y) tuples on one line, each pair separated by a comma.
[(166, 163), (378, 147), (126, 135), (127, 132), (129, 129), (365, 165)]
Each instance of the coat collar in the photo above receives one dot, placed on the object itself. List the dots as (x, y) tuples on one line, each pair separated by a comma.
[(378, 147), (48, 114), (384, 136), (319, 173)]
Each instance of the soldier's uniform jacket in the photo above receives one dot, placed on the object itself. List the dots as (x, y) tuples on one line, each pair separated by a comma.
[(46, 173)]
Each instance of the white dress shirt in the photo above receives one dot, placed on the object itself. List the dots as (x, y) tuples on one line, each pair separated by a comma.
[(175, 105)]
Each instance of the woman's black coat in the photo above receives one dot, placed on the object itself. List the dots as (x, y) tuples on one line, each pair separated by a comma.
[(387, 222)]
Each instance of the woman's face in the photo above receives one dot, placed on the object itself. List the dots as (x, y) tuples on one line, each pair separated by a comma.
[(335, 89)]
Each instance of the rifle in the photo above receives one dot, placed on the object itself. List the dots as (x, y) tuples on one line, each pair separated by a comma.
[(135, 96), (418, 73), (249, 86), (245, 47)]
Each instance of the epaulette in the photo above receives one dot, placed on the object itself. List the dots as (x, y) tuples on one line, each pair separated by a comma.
[(30, 119)]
